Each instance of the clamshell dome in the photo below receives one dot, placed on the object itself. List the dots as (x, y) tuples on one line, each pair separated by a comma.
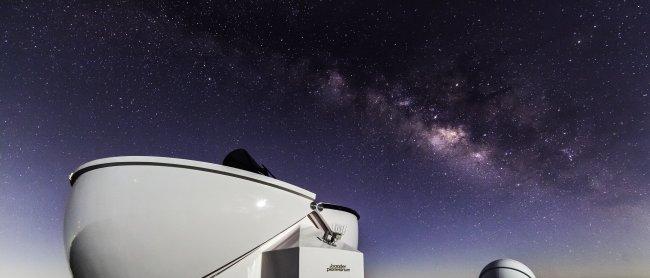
[(163, 217)]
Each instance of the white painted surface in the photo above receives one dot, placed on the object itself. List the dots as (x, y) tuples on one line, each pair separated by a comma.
[(328, 263), (302, 255), (345, 223), (506, 268), (300, 236), (198, 164), (251, 265), (158, 221)]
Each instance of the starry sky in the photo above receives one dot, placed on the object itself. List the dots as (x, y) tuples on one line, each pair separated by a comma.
[(461, 131)]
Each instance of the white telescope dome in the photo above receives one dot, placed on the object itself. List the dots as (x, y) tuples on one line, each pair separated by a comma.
[(342, 220), (143, 216), (166, 218), (506, 268)]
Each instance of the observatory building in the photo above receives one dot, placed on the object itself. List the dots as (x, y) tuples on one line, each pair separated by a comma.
[(139, 216)]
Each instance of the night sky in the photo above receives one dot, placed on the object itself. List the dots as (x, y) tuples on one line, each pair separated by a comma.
[(461, 132)]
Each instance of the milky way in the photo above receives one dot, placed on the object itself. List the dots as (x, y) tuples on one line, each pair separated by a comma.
[(462, 132), (517, 135)]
